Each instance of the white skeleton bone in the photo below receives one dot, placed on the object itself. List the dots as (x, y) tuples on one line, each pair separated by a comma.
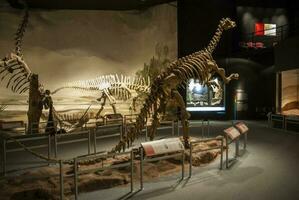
[(111, 87)]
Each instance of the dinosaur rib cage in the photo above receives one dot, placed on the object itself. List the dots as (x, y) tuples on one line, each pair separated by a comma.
[(191, 66), (119, 87), (15, 71)]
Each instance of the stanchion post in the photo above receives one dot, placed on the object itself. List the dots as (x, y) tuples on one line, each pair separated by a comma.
[(61, 180), (208, 128), (202, 128), (132, 169), (55, 145), (4, 157), (141, 168), (75, 179), (226, 150), (245, 140), (89, 142), (183, 164), (178, 128), (190, 160), (95, 140), (146, 132), (237, 147), (221, 155), (49, 146), (172, 130)]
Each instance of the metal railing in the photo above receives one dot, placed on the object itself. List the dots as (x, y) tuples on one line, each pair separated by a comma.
[(102, 157), (207, 149), (7, 142), (256, 40), (144, 159)]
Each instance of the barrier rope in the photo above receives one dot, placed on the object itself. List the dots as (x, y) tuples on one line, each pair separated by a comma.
[(49, 159)]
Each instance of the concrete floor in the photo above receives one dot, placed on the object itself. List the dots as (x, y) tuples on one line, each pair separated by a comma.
[(268, 170)]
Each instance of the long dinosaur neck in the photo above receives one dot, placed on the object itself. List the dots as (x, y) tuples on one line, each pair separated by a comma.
[(215, 39)]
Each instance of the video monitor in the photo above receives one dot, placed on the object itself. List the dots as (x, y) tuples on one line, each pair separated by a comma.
[(210, 97)]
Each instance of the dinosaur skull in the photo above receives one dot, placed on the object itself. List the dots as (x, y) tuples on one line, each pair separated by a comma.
[(227, 23)]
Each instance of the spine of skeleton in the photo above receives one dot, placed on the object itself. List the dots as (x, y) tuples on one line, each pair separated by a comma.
[(141, 120), (185, 68), (190, 66)]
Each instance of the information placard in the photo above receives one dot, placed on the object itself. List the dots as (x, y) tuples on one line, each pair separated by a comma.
[(11, 125), (232, 132), (241, 127), (163, 146)]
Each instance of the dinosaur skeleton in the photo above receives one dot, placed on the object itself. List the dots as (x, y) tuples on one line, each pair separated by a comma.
[(13, 66), (14, 69), (199, 65), (111, 87)]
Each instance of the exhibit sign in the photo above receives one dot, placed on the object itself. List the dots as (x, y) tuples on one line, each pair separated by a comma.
[(163, 146), (262, 29), (232, 132), (201, 97), (242, 127)]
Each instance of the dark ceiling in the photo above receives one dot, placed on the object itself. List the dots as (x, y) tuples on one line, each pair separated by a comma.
[(268, 3), (89, 4), (139, 4)]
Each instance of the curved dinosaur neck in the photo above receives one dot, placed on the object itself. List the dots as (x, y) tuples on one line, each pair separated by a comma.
[(215, 39)]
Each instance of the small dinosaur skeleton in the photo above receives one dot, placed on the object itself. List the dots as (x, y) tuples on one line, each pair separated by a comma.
[(111, 87), (199, 65)]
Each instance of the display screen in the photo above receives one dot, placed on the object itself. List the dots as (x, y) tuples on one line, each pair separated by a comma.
[(209, 97)]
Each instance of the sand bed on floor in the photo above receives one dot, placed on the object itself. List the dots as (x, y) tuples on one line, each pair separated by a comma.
[(20, 188)]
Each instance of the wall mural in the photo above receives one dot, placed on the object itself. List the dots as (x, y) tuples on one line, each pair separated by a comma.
[(290, 92), (71, 50)]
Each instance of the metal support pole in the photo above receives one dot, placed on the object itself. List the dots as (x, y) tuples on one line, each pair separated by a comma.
[(61, 180), (4, 157), (202, 129), (146, 132), (49, 146), (190, 160), (221, 155), (121, 127), (172, 130), (141, 168), (89, 142), (75, 179), (25, 127), (55, 145), (178, 128), (237, 147), (208, 128), (226, 150), (95, 140), (183, 164), (245, 140), (132, 170)]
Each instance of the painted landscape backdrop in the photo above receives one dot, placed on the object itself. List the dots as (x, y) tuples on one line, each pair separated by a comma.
[(70, 45), (290, 92)]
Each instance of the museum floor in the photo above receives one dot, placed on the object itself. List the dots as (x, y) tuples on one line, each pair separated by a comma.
[(268, 170)]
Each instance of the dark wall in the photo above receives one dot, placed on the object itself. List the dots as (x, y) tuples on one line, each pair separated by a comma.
[(197, 23), (248, 16), (256, 81), (287, 54)]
